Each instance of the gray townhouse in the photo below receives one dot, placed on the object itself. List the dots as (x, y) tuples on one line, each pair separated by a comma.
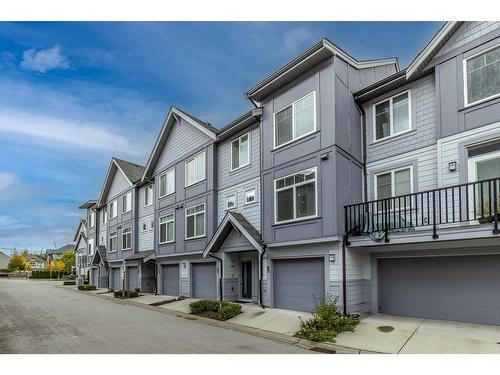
[(351, 178), (424, 238), (80, 240)]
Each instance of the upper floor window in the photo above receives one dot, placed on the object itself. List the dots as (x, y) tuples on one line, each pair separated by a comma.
[(112, 241), (127, 239), (195, 221), (394, 183), (195, 169), (392, 116), (148, 195), (250, 196), (482, 76), (231, 201), (240, 152), (127, 202), (167, 226), (295, 121), (91, 247), (91, 219), (167, 183), (295, 196), (104, 216), (113, 209), (484, 167)]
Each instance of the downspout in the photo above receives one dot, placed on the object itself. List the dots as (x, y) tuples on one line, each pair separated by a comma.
[(221, 275), (344, 275), (363, 143), (261, 299)]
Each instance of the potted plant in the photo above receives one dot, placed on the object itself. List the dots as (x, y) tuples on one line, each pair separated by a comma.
[(485, 214)]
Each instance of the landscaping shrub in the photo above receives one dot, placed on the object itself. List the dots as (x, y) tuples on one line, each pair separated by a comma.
[(87, 287), (127, 294), (327, 321), (69, 282), (223, 310)]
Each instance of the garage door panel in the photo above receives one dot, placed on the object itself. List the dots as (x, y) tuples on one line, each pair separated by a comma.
[(462, 288), (132, 277), (204, 280), (170, 280), (297, 282), (116, 278)]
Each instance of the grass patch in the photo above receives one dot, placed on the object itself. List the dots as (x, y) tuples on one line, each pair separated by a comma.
[(327, 321), (220, 310)]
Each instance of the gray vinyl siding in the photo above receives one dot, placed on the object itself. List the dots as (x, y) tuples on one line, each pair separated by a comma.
[(142, 210), (183, 138), (102, 238), (119, 184), (146, 238), (250, 211)]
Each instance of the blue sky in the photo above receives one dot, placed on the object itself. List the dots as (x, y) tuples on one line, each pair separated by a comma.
[(75, 94)]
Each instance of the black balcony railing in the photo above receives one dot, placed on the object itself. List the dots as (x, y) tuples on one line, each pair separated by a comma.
[(473, 202)]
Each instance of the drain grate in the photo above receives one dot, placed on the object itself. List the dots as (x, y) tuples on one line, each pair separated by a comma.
[(385, 329)]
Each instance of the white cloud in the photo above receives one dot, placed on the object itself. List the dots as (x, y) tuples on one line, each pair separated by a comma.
[(69, 132), (44, 60), (297, 38), (7, 180)]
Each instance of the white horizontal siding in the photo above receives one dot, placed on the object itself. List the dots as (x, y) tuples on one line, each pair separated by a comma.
[(146, 238), (119, 184), (251, 212), (144, 211)]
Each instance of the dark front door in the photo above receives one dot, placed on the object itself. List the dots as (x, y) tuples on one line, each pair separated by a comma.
[(246, 279)]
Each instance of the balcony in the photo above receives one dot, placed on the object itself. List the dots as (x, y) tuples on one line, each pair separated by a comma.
[(469, 204)]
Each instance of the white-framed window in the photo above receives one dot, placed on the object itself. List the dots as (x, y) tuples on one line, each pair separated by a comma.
[(167, 228), (295, 196), (91, 246), (127, 202), (167, 183), (104, 215), (231, 201), (144, 226), (482, 76), (112, 242), (240, 152), (394, 183), (152, 224), (250, 196), (484, 167), (195, 169), (91, 219), (392, 116), (148, 195), (127, 238), (195, 221), (113, 209), (295, 121)]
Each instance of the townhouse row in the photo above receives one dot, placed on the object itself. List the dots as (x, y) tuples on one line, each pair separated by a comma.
[(346, 178)]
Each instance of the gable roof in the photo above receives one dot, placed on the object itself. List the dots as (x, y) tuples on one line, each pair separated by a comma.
[(133, 173), (234, 220), (35, 257), (88, 204), (174, 115), (314, 56), (81, 223), (81, 236), (99, 256)]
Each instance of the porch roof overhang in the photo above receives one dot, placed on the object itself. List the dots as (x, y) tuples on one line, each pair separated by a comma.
[(99, 256), (141, 255), (234, 220)]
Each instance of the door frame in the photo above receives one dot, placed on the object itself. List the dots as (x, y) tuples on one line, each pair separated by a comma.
[(240, 289)]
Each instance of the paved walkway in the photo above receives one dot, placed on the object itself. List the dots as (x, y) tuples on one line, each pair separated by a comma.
[(41, 317)]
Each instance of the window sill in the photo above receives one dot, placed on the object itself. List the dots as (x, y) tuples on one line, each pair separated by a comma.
[(166, 196), (239, 169), (194, 238), (195, 184), (392, 137), (166, 243), (296, 141), (250, 204), (481, 103), (295, 221), (126, 212)]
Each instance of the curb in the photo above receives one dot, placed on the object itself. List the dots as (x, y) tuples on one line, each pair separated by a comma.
[(302, 343)]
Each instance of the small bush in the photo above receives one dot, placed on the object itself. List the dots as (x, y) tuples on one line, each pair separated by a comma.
[(327, 321), (224, 310), (126, 294), (133, 293), (138, 290), (69, 282), (87, 287)]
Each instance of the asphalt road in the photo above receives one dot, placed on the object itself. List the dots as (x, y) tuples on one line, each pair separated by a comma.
[(39, 317)]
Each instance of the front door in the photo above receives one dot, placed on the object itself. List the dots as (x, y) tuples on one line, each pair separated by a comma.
[(246, 279)]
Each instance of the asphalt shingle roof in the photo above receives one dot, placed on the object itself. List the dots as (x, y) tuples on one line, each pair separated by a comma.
[(204, 123), (254, 233), (132, 171)]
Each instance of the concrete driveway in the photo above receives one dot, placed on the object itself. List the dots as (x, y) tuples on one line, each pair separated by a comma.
[(406, 335)]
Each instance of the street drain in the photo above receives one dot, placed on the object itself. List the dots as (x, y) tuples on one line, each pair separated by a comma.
[(385, 329), (323, 350)]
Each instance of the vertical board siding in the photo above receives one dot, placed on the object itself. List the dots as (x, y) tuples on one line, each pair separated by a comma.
[(183, 138)]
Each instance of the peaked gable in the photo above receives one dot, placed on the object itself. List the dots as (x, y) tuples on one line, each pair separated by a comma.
[(115, 182)]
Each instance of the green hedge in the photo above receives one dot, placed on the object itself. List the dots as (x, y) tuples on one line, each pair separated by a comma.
[(127, 294), (87, 287), (46, 275), (225, 310), (69, 282)]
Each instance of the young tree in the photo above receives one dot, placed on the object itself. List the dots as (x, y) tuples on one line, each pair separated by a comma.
[(17, 263), (69, 260)]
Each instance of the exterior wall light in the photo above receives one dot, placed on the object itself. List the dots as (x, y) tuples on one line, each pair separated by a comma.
[(332, 258)]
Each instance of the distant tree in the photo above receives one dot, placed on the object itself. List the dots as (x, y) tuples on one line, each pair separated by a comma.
[(17, 263), (58, 265), (69, 260)]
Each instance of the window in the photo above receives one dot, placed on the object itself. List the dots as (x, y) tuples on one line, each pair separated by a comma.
[(113, 209), (167, 228), (91, 247), (295, 121), (295, 196), (144, 226), (152, 225), (112, 241), (127, 239), (484, 167), (148, 195), (392, 184), (392, 116), (167, 183), (127, 202), (250, 196), (91, 219), (104, 216), (195, 221), (482, 76), (240, 152), (231, 201), (195, 169)]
